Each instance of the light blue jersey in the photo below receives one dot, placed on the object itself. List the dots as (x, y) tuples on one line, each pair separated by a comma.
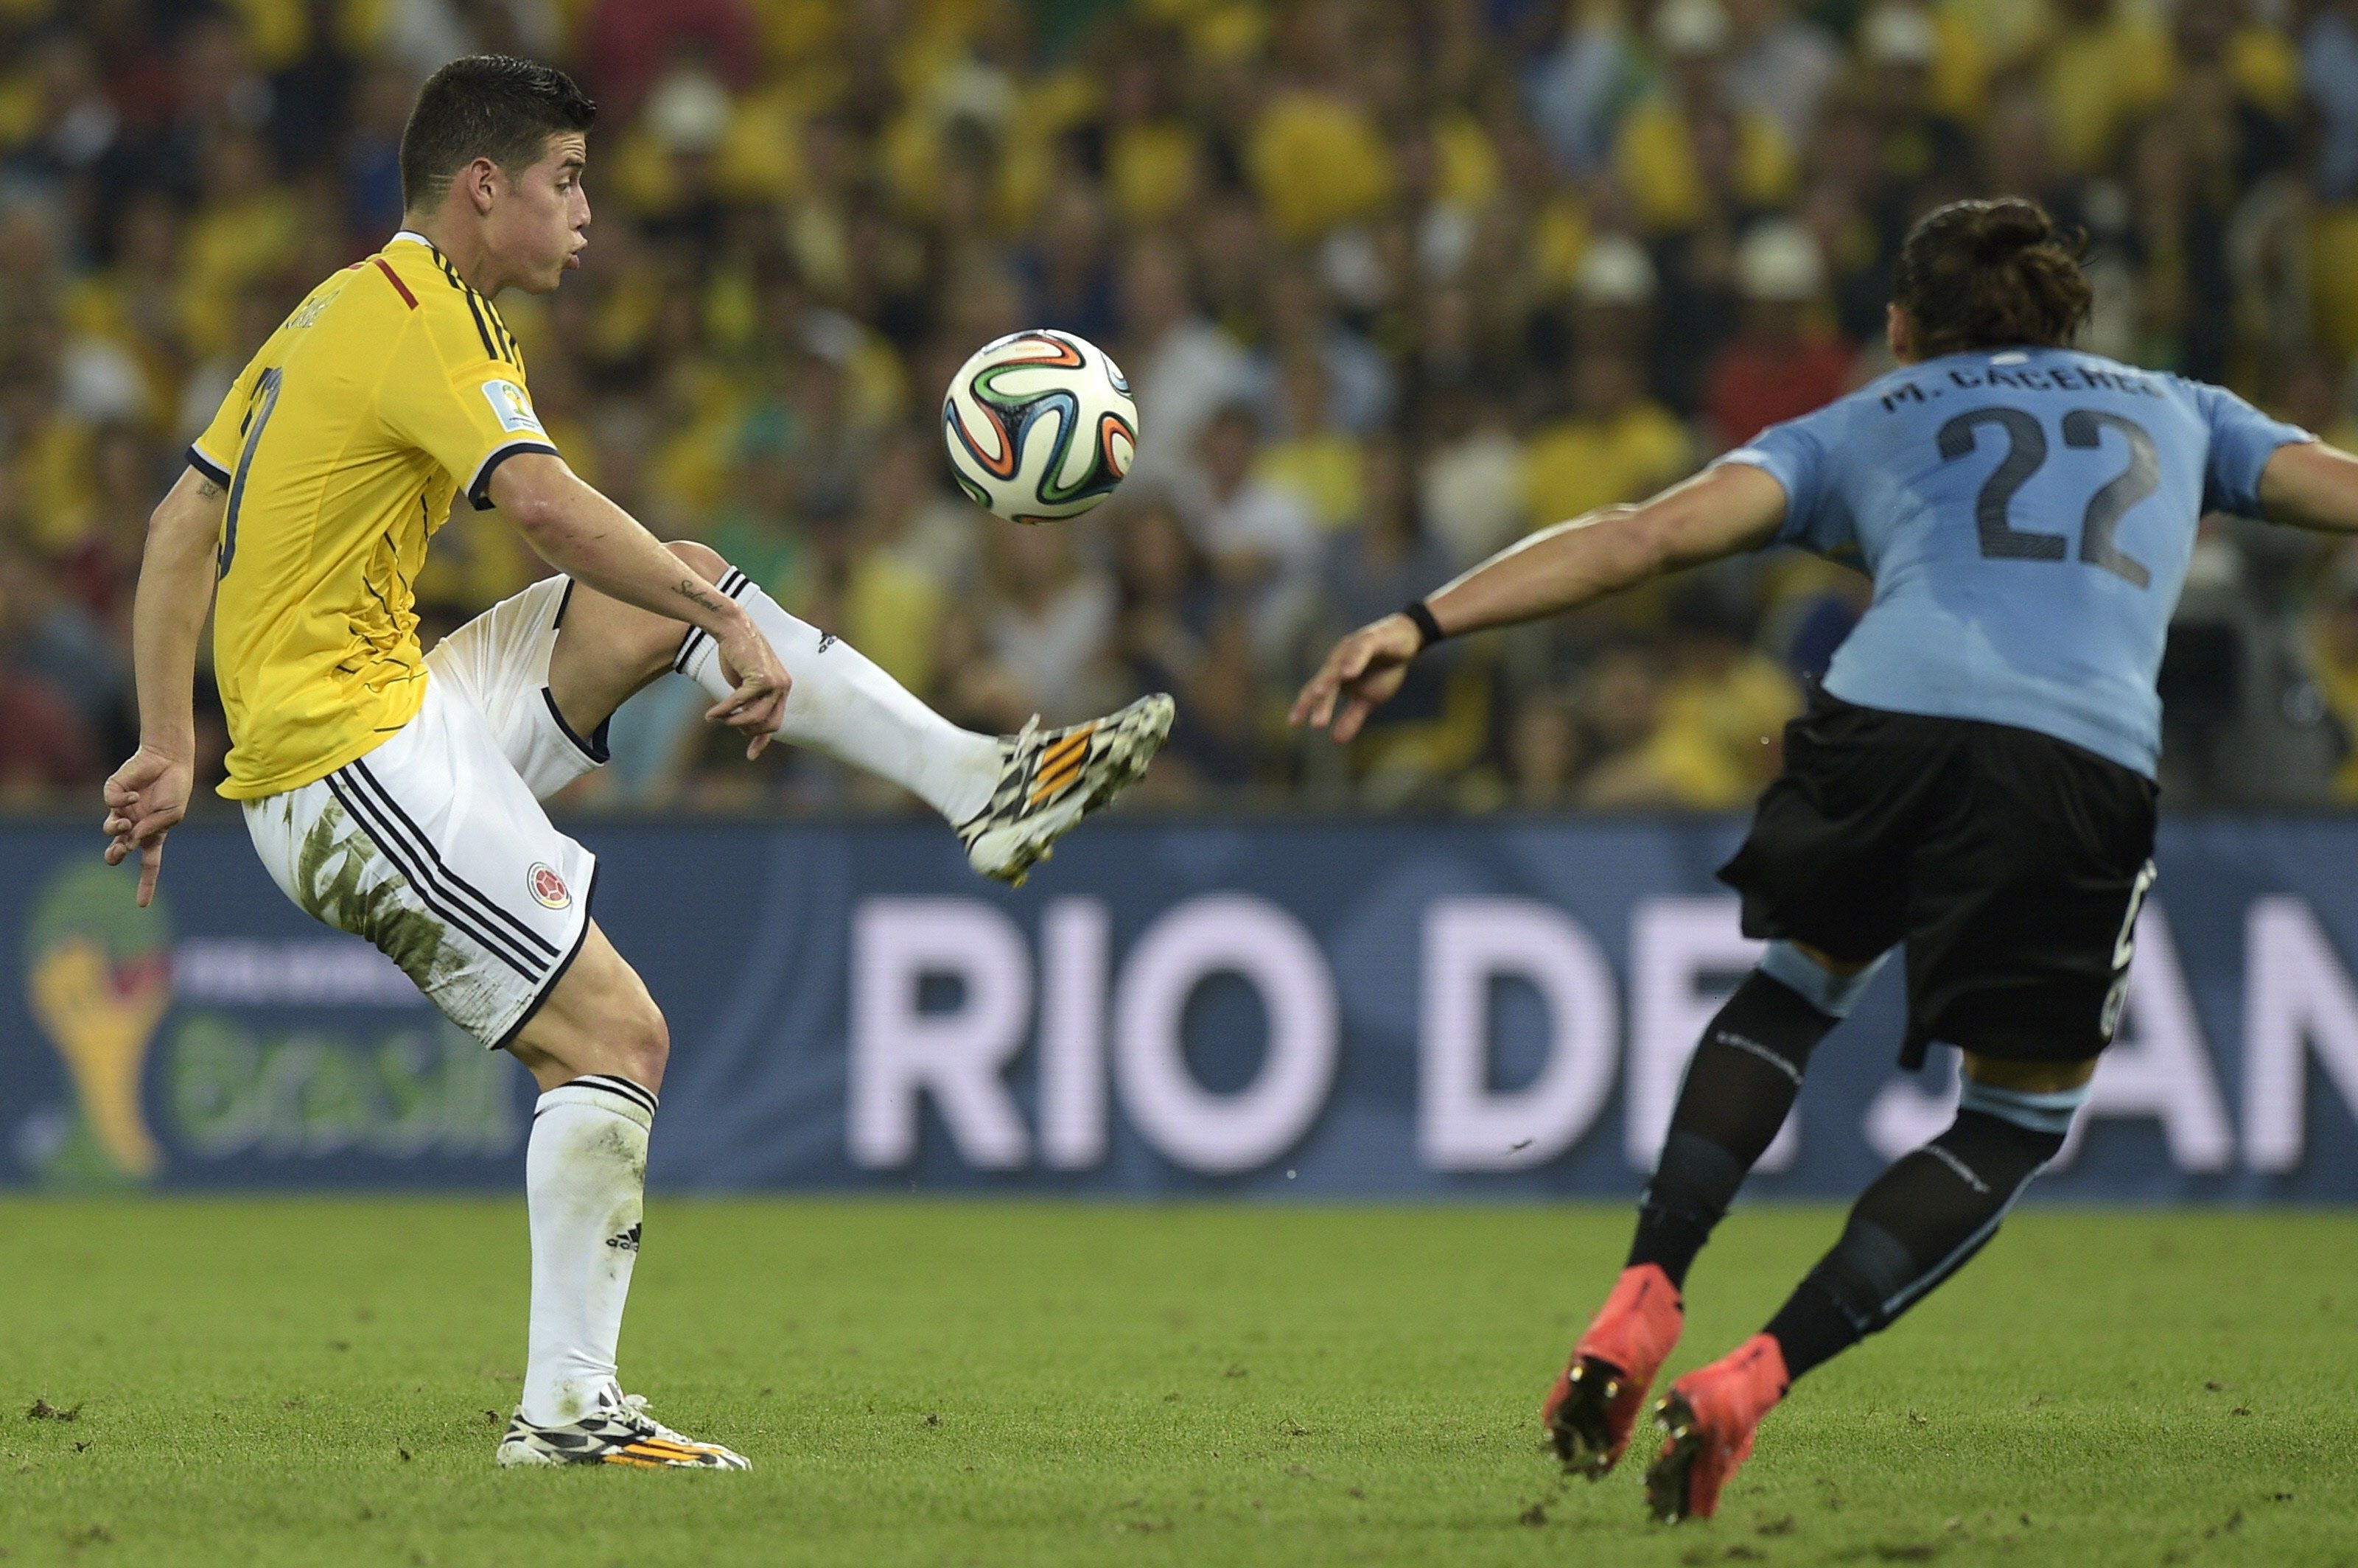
[(2026, 516)]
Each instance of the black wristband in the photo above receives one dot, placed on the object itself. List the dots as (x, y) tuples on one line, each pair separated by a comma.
[(1427, 627)]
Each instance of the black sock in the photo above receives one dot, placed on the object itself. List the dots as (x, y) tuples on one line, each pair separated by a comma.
[(1737, 1091), (1920, 1222)]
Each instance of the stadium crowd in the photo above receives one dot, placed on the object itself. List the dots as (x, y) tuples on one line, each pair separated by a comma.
[(1395, 280)]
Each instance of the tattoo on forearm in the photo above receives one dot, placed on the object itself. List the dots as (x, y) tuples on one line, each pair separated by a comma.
[(696, 591)]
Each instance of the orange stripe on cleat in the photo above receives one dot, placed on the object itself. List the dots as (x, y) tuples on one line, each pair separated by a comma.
[(1048, 789), (1071, 751), (655, 1452)]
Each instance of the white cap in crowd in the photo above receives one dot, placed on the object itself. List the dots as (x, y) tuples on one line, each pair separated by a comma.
[(1899, 35), (1615, 270), (1683, 28), (1778, 261), (688, 111)]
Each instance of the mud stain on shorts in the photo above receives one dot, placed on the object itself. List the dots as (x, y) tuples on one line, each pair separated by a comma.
[(333, 875)]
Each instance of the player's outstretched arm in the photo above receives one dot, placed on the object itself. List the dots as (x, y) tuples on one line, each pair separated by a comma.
[(149, 794), (1722, 511), (588, 537), (2308, 484)]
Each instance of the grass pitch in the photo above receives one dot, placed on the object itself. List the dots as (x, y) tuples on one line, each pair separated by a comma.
[(321, 1381)]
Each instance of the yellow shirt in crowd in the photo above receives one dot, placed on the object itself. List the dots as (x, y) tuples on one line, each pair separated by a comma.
[(1579, 465)]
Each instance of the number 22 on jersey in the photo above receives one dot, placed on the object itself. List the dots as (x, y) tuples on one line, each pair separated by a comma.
[(2025, 451)]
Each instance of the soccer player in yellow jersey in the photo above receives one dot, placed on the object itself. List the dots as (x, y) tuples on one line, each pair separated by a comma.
[(396, 793)]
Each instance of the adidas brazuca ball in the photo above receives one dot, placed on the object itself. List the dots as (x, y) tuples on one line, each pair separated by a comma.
[(1040, 426)]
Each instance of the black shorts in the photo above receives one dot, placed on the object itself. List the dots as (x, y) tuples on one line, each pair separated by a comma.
[(2011, 864)]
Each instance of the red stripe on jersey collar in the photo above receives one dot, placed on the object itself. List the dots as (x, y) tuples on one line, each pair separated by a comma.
[(394, 278)]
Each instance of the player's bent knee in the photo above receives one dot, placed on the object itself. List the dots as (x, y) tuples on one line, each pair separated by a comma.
[(600, 1018), (639, 1047), (2035, 1078), (1832, 987), (2046, 1112), (703, 559)]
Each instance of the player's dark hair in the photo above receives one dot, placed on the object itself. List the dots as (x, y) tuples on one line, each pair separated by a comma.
[(485, 105), (1991, 274)]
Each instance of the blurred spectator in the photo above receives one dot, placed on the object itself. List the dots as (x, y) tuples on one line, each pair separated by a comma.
[(2333, 649), (894, 596), (1386, 559), (45, 748), (1779, 64), (625, 43), (1300, 322), (1619, 705), (1178, 634), (1721, 720), (2241, 705), (1691, 151), (1544, 752), (71, 682), (1051, 617), (1781, 364), (1614, 289), (1181, 367), (2108, 64), (2329, 73), (1470, 488), (1580, 90), (1316, 156), (1438, 724), (99, 569), (1070, 273), (1318, 463), (1615, 445), (1262, 541)]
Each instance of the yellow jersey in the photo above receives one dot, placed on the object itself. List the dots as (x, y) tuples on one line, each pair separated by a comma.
[(393, 388)]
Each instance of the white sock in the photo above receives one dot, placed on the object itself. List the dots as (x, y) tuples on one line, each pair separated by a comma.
[(843, 705), (585, 1173)]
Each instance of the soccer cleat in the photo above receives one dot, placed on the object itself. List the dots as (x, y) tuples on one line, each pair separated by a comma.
[(1708, 1420), (619, 1431), (1050, 779), (1593, 1407)]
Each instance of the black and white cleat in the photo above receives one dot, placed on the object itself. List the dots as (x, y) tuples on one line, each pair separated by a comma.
[(1050, 779), (619, 1431)]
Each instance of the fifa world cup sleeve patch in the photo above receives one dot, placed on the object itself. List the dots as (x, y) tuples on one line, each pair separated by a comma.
[(512, 407)]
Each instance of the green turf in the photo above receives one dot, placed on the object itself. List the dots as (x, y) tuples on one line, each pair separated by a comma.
[(320, 1382)]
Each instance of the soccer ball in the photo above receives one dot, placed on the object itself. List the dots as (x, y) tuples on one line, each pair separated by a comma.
[(1040, 426)]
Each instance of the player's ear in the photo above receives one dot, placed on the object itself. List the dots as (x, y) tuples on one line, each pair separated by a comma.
[(480, 181), (1899, 332)]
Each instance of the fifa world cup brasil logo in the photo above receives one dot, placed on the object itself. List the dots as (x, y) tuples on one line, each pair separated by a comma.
[(98, 977)]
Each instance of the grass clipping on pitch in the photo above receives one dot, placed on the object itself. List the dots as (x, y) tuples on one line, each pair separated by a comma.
[(307, 1381)]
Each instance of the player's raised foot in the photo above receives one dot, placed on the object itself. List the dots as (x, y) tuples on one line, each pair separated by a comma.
[(619, 1431), (1593, 1407), (1050, 779), (1708, 1420)]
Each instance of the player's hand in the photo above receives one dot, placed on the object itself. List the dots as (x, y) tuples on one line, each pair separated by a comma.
[(758, 706), (1363, 672), (146, 799)]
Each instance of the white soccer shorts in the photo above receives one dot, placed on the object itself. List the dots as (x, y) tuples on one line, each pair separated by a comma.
[(434, 846)]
